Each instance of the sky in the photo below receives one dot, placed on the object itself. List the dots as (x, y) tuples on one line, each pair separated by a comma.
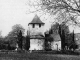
[(15, 12)]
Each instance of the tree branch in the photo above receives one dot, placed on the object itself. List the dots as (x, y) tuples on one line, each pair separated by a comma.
[(70, 7), (76, 3)]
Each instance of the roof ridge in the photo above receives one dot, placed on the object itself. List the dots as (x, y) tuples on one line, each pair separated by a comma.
[(36, 20)]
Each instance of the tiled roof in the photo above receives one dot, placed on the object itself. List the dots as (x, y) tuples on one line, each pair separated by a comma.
[(36, 20), (37, 37), (56, 37)]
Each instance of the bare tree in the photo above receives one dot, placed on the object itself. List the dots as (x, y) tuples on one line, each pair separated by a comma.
[(66, 10)]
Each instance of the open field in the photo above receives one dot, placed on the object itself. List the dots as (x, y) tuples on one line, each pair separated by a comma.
[(36, 56)]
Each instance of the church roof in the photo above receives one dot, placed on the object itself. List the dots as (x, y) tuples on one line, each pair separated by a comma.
[(56, 37), (36, 37), (36, 20)]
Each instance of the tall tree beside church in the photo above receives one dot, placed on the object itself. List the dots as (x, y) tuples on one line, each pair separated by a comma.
[(73, 36), (63, 39), (62, 35), (20, 40), (27, 44), (73, 44)]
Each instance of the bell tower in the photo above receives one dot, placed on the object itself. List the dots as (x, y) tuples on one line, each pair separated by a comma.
[(36, 26), (36, 33)]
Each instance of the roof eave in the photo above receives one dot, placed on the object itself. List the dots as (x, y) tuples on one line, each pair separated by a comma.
[(36, 23)]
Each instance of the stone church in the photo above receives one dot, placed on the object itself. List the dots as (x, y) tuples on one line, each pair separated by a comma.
[(36, 33), (37, 36)]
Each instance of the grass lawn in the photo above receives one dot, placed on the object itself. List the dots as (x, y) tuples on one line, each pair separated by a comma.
[(36, 56)]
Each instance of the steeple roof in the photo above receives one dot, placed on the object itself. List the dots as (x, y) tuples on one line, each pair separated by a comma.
[(36, 20)]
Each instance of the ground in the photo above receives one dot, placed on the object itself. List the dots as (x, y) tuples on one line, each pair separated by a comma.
[(36, 56)]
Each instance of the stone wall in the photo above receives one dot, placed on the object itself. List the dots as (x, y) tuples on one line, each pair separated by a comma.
[(36, 44), (36, 30), (56, 45)]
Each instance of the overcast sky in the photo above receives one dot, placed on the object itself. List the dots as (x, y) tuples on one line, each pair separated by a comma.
[(14, 12)]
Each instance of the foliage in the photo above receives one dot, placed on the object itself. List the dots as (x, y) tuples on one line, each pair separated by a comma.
[(48, 40), (20, 40), (12, 37), (59, 29), (73, 43), (3, 43), (55, 28), (67, 39), (16, 28), (27, 44)]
